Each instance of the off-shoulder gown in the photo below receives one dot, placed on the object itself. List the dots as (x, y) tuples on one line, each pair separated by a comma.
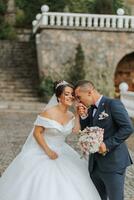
[(32, 175)]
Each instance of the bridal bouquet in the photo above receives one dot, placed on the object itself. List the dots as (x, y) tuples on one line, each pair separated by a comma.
[(90, 140)]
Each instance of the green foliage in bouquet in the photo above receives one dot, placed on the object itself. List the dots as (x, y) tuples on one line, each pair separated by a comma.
[(77, 72), (46, 89)]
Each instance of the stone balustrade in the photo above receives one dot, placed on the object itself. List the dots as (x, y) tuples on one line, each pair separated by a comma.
[(119, 22), (127, 99)]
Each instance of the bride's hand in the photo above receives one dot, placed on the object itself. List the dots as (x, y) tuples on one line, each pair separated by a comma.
[(80, 109), (76, 129), (52, 154)]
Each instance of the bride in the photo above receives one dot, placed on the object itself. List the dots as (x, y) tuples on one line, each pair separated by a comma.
[(47, 168)]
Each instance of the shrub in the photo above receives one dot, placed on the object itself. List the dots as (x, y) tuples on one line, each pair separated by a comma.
[(105, 6), (3, 7), (77, 72), (46, 88), (31, 7), (7, 31), (20, 17)]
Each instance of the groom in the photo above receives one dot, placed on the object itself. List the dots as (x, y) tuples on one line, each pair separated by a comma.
[(106, 167)]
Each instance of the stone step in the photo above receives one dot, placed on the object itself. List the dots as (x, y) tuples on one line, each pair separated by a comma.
[(19, 90), (17, 94), (18, 84), (16, 69), (21, 106), (8, 86), (25, 99), (21, 81), (19, 77), (15, 76), (14, 89)]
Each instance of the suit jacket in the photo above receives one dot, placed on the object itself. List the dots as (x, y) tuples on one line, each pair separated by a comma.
[(117, 128)]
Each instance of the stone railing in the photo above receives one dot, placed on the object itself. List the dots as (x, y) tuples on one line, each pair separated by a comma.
[(119, 22), (127, 99)]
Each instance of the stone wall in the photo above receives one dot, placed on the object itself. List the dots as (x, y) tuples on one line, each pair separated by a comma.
[(102, 50)]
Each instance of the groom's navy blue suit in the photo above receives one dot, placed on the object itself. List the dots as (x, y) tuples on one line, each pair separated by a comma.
[(108, 172)]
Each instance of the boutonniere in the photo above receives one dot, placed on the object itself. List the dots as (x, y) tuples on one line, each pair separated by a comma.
[(103, 115)]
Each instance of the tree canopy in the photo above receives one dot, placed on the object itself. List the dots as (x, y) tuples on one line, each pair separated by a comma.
[(27, 10)]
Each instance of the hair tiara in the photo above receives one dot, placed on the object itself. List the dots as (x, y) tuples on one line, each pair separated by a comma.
[(61, 83)]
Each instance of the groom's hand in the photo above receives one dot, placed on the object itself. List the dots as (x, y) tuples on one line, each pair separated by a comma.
[(102, 148)]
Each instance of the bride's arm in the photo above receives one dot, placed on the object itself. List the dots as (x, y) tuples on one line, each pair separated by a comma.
[(38, 135), (77, 126)]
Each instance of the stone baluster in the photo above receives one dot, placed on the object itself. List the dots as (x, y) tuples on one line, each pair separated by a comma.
[(44, 10), (83, 21), (108, 22), (102, 22), (113, 24), (38, 16), (132, 23), (34, 22), (71, 22), (65, 20), (126, 22), (95, 20), (120, 13), (35, 25), (77, 21), (52, 20), (58, 20), (89, 21), (120, 23)]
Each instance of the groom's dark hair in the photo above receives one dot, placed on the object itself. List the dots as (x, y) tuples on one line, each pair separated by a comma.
[(84, 83)]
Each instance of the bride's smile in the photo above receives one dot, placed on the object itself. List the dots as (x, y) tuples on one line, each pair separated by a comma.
[(67, 97)]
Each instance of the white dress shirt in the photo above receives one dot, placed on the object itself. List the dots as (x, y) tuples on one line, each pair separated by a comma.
[(97, 105)]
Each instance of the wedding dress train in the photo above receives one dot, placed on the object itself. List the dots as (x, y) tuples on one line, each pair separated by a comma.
[(32, 175)]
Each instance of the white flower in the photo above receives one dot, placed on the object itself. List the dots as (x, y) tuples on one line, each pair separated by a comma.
[(103, 115), (90, 140)]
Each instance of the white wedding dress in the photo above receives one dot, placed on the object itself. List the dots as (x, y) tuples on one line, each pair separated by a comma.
[(34, 176)]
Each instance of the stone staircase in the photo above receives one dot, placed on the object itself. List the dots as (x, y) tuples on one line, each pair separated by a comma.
[(18, 73)]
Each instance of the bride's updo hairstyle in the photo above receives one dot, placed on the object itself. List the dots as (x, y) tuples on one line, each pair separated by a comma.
[(59, 87)]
